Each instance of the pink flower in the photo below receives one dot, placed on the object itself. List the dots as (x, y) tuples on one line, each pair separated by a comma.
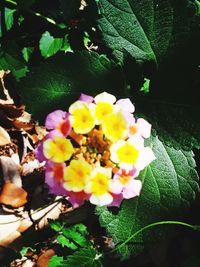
[(58, 122), (86, 98), (39, 152), (54, 178), (141, 127), (117, 200), (77, 198), (125, 105), (125, 184)]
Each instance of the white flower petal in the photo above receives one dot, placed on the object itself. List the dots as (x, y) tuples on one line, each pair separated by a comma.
[(132, 189), (101, 200), (144, 128), (126, 105), (105, 97), (146, 156)]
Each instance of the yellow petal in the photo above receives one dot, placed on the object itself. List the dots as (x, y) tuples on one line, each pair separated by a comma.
[(76, 175), (82, 117), (58, 149), (115, 126)]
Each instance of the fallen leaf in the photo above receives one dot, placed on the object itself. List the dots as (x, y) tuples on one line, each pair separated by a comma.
[(4, 137), (45, 257), (10, 171), (13, 195)]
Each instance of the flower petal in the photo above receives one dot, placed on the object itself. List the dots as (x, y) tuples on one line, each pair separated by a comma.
[(86, 98), (101, 200), (132, 189), (144, 128), (105, 97), (126, 105), (54, 118), (146, 156)]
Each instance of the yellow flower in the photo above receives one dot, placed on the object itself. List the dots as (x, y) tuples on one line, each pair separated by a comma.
[(104, 106), (58, 149), (125, 154), (76, 175), (82, 117), (115, 126), (99, 186), (102, 110)]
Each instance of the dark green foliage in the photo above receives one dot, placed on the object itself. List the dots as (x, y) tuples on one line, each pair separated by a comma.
[(169, 185), (147, 50), (61, 80)]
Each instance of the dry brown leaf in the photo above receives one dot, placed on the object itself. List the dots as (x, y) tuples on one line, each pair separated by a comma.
[(13, 195), (4, 137), (45, 257), (10, 170)]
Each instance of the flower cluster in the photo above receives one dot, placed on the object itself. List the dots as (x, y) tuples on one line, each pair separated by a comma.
[(95, 150)]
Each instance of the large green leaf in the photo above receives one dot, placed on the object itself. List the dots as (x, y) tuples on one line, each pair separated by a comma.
[(169, 185), (145, 29), (177, 126), (61, 80)]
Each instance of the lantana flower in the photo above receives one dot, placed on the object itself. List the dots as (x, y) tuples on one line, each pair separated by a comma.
[(95, 151)]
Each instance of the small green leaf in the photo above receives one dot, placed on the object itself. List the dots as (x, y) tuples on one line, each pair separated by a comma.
[(49, 45), (55, 261), (55, 225), (9, 13), (24, 250), (145, 87), (87, 257), (75, 237), (26, 52), (65, 242)]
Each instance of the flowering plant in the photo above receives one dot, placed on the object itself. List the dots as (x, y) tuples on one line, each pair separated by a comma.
[(95, 151)]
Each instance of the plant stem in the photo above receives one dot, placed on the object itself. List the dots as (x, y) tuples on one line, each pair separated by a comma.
[(194, 227)]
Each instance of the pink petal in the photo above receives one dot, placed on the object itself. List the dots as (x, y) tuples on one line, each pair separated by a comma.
[(39, 152), (86, 98), (144, 128), (77, 198), (132, 189), (126, 105), (117, 200), (55, 118), (115, 186)]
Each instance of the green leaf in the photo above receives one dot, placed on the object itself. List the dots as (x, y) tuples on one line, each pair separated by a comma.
[(26, 52), (55, 261), (24, 250), (55, 225), (76, 237), (9, 13), (11, 59), (65, 242), (145, 87), (87, 257), (49, 45), (61, 80), (169, 185), (146, 29), (177, 126)]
